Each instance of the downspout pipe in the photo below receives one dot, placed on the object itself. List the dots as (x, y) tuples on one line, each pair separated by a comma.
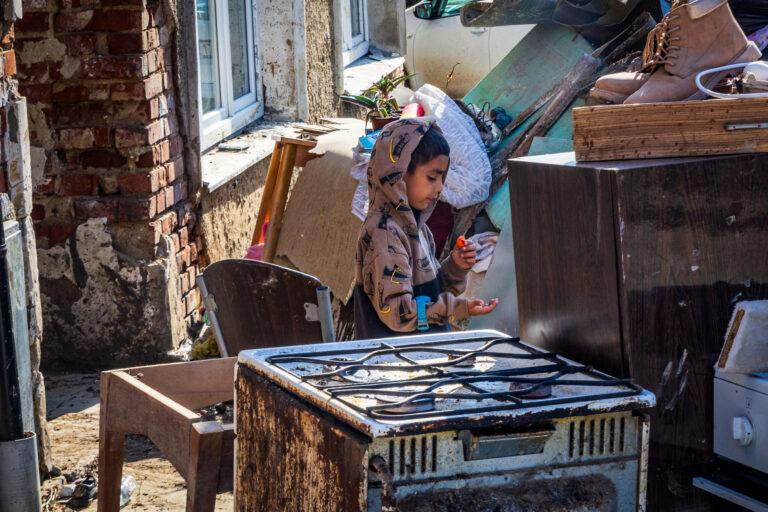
[(19, 474)]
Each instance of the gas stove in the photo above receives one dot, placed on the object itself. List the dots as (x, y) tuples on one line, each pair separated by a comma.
[(404, 423)]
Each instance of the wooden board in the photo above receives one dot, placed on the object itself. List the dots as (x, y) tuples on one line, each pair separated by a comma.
[(655, 130)]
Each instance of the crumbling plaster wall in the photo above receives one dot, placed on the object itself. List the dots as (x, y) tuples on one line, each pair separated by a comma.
[(229, 214), (298, 54)]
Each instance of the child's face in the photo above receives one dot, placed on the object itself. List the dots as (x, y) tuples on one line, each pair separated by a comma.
[(425, 183)]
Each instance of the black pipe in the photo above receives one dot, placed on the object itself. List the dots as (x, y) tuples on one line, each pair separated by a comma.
[(11, 427)]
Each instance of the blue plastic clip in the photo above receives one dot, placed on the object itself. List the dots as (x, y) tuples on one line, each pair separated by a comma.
[(421, 312)]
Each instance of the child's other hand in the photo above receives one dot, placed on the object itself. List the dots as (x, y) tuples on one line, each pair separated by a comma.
[(465, 257), (478, 307)]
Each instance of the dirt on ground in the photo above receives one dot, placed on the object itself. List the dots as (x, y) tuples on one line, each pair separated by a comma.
[(73, 419)]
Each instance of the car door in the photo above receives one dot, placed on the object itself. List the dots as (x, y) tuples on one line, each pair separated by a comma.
[(443, 47)]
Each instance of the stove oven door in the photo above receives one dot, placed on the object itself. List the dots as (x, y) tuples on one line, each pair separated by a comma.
[(592, 463)]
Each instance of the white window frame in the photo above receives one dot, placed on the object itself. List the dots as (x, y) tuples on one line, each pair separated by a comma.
[(233, 114), (354, 47)]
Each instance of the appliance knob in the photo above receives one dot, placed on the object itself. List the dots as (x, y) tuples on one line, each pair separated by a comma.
[(742, 430)]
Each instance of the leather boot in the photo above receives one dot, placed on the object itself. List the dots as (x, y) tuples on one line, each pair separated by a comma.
[(695, 35), (617, 87)]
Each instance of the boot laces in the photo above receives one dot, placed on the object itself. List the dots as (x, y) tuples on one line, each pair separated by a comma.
[(659, 49)]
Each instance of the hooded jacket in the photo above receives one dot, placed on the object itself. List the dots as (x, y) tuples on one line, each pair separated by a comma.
[(395, 250)]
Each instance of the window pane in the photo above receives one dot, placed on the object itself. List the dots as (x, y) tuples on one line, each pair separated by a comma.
[(354, 9), (209, 62), (238, 40), (452, 8)]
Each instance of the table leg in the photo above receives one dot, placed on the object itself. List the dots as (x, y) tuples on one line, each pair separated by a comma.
[(280, 197), (269, 188)]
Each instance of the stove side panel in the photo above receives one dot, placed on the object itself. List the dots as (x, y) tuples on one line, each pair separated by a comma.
[(290, 456)]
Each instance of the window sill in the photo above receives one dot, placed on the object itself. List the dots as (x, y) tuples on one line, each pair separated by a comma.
[(360, 74), (220, 166)]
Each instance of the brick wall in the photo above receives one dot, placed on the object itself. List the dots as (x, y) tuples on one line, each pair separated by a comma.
[(98, 76)]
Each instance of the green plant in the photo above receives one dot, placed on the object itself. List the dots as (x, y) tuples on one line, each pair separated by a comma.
[(377, 98)]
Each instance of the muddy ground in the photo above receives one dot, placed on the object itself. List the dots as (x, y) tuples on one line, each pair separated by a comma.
[(73, 416)]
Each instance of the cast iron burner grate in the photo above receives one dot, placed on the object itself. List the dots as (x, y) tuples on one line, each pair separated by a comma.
[(401, 381)]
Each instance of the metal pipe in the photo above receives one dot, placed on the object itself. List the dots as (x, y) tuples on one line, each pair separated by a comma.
[(325, 314), (10, 399)]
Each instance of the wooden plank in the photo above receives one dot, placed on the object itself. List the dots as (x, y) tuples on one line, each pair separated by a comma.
[(278, 200), (192, 384), (655, 130), (269, 188)]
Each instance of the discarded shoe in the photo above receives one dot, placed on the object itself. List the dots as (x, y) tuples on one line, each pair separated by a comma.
[(694, 35), (85, 492)]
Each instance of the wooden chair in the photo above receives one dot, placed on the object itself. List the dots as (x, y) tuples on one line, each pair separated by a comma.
[(253, 304), (159, 402)]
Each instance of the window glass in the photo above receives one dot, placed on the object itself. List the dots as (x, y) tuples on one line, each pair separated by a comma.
[(238, 40), (209, 63), (354, 9), (451, 7)]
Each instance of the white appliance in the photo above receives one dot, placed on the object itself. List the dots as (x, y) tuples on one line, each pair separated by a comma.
[(460, 421)]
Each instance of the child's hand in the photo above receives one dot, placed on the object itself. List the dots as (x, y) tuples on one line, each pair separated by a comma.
[(465, 257), (478, 307)]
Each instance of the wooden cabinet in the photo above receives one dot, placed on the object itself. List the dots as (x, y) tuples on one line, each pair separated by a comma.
[(634, 267)]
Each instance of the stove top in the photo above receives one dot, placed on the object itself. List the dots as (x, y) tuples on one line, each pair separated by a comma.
[(442, 381)]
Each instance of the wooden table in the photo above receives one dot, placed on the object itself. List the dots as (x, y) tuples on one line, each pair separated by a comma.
[(289, 152)]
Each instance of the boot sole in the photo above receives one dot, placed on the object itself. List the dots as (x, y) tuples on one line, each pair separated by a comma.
[(612, 97), (750, 54)]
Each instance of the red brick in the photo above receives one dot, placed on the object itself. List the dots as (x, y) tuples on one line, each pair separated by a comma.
[(9, 63), (102, 137), (75, 4), (33, 22), (192, 300), (175, 241), (76, 138), (184, 236), (138, 183), (3, 180), (115, 21), (40, 93), (115, 66), (156, 60), (136, 208), (193, 253), (146, 135), (91, 208), (174, 169), (156, 155), (75, 93), (147, 88), (46, 187), (182, 258), (79, 45), (82, 114), (78, 185), (166, 222), (32, 73), (55, 233), (102, 158), (73, 21), (38, 212), (130, 42)]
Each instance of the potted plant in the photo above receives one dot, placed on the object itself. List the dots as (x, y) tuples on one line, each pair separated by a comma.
[(382, 107)]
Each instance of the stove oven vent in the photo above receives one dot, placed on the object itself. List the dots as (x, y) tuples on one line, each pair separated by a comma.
[(598, 436), (412, 455)]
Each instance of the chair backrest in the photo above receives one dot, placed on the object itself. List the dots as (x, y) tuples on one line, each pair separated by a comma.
[(259, 305)]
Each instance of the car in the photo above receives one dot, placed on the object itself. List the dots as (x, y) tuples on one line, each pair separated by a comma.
[(444, 53)]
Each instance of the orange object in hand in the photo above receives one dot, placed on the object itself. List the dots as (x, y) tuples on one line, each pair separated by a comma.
[(461, 242)]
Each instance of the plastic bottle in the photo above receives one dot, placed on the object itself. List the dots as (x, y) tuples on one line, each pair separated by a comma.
[(127, 486)]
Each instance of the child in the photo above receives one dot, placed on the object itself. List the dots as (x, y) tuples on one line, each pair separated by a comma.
[(395, 251)]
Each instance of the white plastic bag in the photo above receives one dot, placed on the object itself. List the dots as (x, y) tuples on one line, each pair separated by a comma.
[(469, 175)]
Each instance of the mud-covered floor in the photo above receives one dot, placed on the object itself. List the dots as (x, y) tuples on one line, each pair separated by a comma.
[(73, 416)]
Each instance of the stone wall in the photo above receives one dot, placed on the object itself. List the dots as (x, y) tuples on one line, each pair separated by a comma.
[(16, 185), (116, 225)]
